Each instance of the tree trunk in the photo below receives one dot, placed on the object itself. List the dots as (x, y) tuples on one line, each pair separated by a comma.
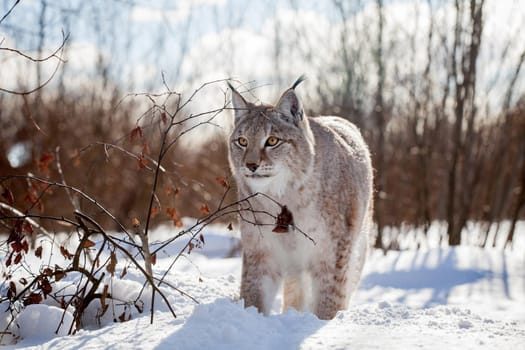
[(464, 75), (380, 119), (520, 204)]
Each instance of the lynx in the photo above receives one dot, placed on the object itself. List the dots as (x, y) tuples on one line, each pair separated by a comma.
[(320, 169)]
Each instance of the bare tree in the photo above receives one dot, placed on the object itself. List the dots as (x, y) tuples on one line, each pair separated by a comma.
[(378, 114), (463, 59)]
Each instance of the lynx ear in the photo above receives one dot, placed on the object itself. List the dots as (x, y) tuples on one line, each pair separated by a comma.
[(240, 106), (290, 107)]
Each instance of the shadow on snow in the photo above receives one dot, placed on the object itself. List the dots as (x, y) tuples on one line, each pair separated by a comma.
[(441, 278)]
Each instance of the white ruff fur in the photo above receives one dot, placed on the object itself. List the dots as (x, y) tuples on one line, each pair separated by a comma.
[(274, 186), (320, 169)]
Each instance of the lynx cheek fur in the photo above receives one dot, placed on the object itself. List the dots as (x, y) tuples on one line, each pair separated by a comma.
[(320, 169)]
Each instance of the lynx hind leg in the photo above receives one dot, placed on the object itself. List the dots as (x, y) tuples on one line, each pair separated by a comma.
[(360, 249), (337, 277), (329, 293), (358, 257), (259, 283), (294, 293)]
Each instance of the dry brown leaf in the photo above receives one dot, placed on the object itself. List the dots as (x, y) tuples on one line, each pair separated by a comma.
[(135, 222), (65, 253), (112, 263), (33, 298), (222, 181), (284, 220), (154, 212), (8, 196), (204, 209), (153, 259), (88, 244), (38, 252), (136, 132)]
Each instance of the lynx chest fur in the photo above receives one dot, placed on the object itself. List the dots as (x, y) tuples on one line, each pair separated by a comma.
[(320, 169)]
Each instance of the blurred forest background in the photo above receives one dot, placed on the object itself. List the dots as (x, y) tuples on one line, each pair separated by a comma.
[(437, 88)]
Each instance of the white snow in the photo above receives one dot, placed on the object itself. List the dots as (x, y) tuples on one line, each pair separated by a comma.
[(433, 298), (43, 322)]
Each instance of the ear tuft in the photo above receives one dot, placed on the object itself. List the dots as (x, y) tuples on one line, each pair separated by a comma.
[(298, 81), (240, 106)]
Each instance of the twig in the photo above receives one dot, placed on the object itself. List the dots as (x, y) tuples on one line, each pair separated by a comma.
[(132, 259), (82, 194), (43, 59), (60, 60), (177, 289), (9, 11), (20, 215), (123, 150), (59, 167)]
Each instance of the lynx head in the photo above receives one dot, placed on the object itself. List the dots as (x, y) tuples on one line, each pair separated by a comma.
[(271, 148)]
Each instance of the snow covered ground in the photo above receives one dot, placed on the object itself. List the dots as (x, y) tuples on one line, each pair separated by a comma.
[(432, 298)]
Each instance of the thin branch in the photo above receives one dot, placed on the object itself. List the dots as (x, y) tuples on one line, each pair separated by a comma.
[(43, 59), (9, 11), (82, 194), (123, 150), (59, 62), (132, 259), (20, 215), (59, 167), (28, 217), (175, 288), (512, 84)]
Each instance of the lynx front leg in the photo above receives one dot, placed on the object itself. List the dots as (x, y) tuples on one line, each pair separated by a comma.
[(259, 282), (293, 293)]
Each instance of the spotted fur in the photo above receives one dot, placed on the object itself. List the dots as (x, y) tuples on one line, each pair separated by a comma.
[(321, 170)]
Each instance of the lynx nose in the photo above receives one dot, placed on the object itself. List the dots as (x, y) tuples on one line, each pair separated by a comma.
[(252, 166)]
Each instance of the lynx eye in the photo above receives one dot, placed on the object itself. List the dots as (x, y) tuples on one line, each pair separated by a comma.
[(242, 141), (272, 141)]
